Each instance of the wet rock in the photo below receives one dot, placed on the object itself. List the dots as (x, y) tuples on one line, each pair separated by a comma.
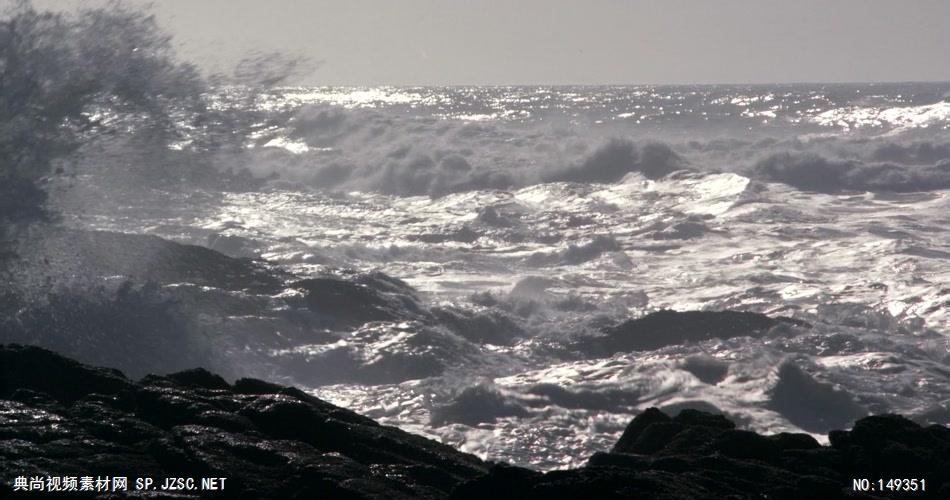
[(652, 431), (65, 380), (691, 404), (476, 405), (637, 426), (812, 405), (145, 305), (891, 446), (502, 481), (360, 299), (486, 326), (666, 328), (612, 400), (234, 246), (794, 441), (377, 353), (199, 378), (190, 305), (702, 455), (143, 258), (270, 441), (745, 445), (60, 417), (706, 368), (138, 303), (94, 326), (696, 418)]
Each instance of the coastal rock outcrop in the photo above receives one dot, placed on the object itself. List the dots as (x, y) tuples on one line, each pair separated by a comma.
[(665, 328), (698, 455), (59, 417)]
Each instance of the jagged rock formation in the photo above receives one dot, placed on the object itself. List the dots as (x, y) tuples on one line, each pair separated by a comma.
[(701, 455), (78, 291), (193, 306), (58, 417)]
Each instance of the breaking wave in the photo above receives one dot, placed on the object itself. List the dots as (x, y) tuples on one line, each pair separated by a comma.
[(410, 146), (516, 270)]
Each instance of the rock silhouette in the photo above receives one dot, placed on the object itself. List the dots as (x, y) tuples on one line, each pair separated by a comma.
[(60, 417), (667, 327), (701, 455)]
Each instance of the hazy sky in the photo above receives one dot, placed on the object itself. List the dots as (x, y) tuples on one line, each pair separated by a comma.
[(371, 42)]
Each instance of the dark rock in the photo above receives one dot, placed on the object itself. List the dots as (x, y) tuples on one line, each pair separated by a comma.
[(658, 436), (698, 418), (255, 386), (665, 328), (790, 441), (137, 303), (502, 481), (234, 246), (481, 327), (612, 400), (745, 444), (94, 327), (150, 259), (270, 441), (476, 405), (60, 417), (812, 405), (701, 455), (146, 305), (690, 404), (652, 432), (891, 446), (361, 299), (65, 380), (199, 378), (635, 428), (403, 351), (706, 368)]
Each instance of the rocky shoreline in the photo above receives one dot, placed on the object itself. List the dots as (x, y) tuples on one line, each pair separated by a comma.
[(60, 417)]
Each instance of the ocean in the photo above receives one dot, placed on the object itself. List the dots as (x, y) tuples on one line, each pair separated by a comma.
[(524, 221)]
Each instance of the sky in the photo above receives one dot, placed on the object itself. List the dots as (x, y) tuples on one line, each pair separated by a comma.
[(553, 42)]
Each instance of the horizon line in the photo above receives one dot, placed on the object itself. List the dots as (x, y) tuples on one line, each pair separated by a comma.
[(706, 84)]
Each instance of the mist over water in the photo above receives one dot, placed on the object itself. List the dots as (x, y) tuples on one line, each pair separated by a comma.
[(494, 230), (435, 141)]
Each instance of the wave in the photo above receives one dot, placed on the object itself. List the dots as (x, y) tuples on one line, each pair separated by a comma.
[(614, 160), (897, 118), (379, 150), (813, 172), (545, 236), (366, 150)]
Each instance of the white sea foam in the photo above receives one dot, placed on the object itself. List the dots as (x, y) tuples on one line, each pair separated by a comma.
[(899, 117), (479, 198)]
